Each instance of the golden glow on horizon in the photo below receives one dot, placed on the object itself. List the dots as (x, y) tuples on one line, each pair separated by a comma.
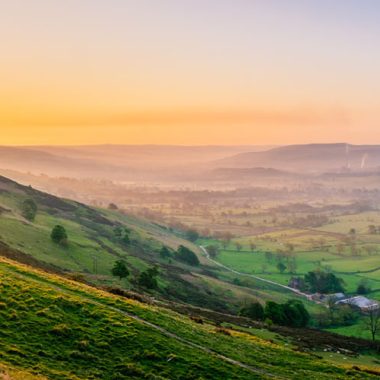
[(85, 72)]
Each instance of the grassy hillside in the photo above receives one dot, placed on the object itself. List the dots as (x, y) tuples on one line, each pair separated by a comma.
[(60, 329), (93, 248)]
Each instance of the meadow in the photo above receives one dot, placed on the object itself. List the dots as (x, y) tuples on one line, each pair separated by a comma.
[(70, 331)]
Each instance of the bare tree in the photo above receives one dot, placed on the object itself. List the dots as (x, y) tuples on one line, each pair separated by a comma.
[(373, 321)]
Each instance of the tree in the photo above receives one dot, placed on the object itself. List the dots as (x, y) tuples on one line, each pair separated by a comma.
[(186, 255), (226, 238), (274, 312), (373, 321), (289, 247), (29, 209), (323, 282), (165, 252), (340, 249), (118, 231), (59, 235), (291, 313), (125, 239), (238, 246), (252, 246), (372, 230), (192, 235), (295, 314), (212, 250), (148, 279), (120, 269), (292, 265), (352, 232), (112, 206), (254, 311), (363, 287), (281, 267), (269, 257)]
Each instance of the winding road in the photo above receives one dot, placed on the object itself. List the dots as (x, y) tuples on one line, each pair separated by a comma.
[(296, 291)]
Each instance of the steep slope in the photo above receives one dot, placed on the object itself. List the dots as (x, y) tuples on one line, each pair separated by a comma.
[(63, 330), (93, 247)]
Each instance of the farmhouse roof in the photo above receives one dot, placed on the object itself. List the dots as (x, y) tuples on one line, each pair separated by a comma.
[(361, 302)]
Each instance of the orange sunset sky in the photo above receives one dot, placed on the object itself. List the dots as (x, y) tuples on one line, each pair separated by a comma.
[(189, 71)]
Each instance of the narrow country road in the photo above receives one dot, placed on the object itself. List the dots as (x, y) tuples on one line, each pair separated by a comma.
[(296, 291)]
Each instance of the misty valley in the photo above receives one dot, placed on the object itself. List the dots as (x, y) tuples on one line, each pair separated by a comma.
[(281, 252)]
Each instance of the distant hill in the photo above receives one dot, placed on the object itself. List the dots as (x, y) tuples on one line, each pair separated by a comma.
[(116, 162), (38, 161), (308, 158), (239, 174)]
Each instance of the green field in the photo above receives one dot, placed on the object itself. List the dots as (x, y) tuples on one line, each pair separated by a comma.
[(63, 330)]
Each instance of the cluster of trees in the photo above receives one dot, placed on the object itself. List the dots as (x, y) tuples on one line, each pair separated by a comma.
[(311, 220), (122, 234), (284, 259), (291, 313), (319, 281), (183, 254), (337, 315), (146, 279), (373, 230)]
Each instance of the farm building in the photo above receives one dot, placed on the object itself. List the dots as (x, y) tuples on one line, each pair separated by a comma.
[(363, 303)]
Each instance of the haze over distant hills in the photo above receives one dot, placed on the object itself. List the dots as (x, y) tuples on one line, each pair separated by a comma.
[(112, 161), (161, 162), (309, 158)]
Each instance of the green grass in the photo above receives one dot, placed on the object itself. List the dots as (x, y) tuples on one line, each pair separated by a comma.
[(64, 330), (91, 240)]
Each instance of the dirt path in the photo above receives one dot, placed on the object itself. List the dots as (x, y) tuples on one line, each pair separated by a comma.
[(263, 374)]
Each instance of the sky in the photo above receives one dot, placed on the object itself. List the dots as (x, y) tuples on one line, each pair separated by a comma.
[(189, 72)]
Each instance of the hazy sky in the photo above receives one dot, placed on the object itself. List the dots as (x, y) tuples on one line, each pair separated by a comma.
[(189, 71)]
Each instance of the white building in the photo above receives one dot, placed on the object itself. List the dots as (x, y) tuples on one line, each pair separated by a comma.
[(363, 303)]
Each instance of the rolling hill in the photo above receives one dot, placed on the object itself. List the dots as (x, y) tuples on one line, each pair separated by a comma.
[(55, 328), (94, 245), (117, 162), (309, 158)]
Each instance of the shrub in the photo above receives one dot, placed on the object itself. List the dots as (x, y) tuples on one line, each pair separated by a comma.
[(120, 269), (29, 209), (192, 235), (291, 313), (165, 252), (147, 279), (363, 287), (59, 235), (254, 311)]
